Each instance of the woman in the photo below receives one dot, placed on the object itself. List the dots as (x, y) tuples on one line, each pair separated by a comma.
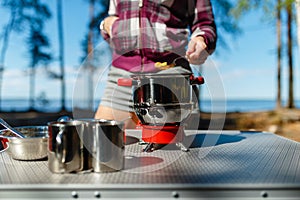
[(147, 36)]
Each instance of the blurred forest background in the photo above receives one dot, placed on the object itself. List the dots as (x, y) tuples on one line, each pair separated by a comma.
[(28, 19)]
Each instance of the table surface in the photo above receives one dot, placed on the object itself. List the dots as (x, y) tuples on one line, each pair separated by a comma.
[(245, 163)]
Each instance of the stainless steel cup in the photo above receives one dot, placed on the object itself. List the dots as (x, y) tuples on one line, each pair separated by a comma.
[(66, 149), (108, 145)]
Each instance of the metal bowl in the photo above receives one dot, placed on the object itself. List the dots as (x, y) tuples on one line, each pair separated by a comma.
[(32, 147)]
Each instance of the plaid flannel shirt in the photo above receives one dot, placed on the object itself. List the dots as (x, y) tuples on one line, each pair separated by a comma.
[(149, 31)]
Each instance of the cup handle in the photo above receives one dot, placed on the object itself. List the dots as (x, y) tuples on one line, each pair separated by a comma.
[(60, 146)]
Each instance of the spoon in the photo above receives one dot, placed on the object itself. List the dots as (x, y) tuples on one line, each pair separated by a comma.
[(11, 129)]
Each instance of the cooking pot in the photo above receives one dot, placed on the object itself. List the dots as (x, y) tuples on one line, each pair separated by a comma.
[(162, 98), (32, 147)]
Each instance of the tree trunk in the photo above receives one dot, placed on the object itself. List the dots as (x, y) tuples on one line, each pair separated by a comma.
[(279, 46), (90, 33), (31, 87), (290, 57), (61, 54), (90, 48)]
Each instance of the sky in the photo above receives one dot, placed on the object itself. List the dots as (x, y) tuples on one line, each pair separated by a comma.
[(247, 70)]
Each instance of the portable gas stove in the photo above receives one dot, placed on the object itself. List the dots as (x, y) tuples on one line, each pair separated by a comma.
[(163, 102)]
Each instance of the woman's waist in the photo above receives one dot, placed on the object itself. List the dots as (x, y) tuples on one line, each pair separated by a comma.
[(143, 60)]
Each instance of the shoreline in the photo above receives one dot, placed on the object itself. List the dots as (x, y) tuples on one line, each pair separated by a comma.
[(284, 122)]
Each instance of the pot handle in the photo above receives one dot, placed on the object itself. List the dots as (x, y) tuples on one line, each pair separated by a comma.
[(196, 80), (127, 82)]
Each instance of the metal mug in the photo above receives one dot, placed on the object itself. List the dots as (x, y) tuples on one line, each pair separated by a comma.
[(108, 144), (66, 147)]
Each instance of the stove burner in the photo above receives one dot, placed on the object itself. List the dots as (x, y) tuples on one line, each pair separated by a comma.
[(162, 134)]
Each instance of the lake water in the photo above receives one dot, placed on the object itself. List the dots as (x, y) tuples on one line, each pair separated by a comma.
[(234, 105)]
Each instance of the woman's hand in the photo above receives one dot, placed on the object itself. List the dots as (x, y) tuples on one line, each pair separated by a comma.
[(107, 24), (196, 52)]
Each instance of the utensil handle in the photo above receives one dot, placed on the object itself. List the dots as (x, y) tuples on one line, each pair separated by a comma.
[(11, 129), (196, 80), (127, 82)]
